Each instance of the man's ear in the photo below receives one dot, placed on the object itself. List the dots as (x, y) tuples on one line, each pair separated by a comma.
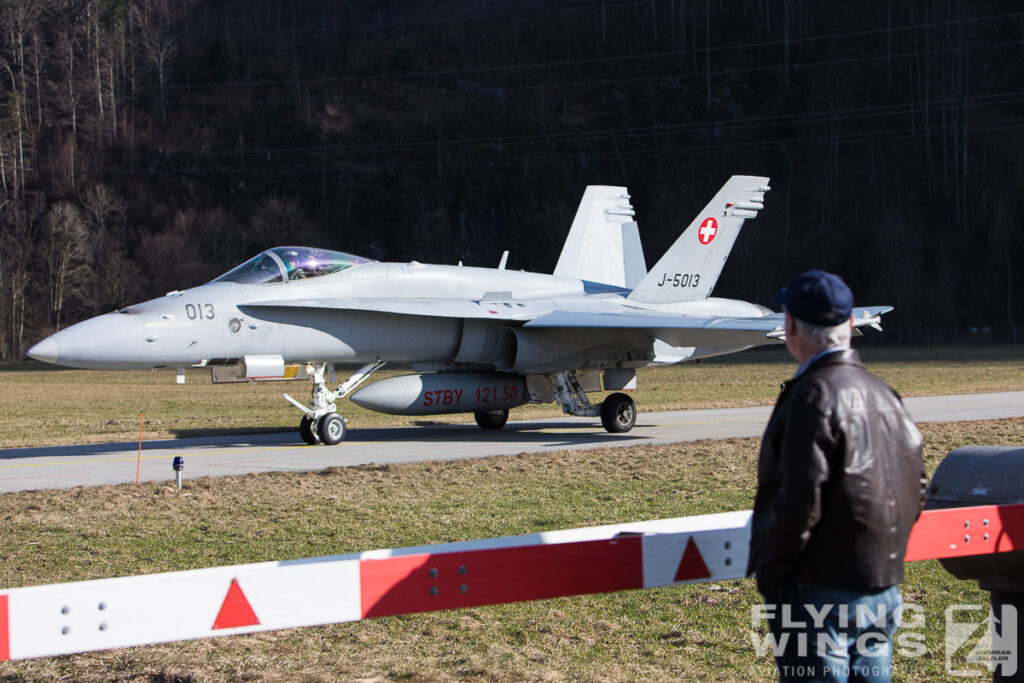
[(791, 326)]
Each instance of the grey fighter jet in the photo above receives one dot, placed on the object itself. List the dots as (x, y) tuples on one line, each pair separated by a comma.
[(480, 340)]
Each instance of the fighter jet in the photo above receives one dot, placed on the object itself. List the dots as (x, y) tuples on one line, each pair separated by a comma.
[(479, 340)]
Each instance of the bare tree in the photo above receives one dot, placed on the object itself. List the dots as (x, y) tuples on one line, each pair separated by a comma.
[(114, 275), (105, 216), (104, 30), (66, 41), (20, 19), (13, 130), (6, 209), (151, 19), (18, 243), (94, 17), (66, 253), (117, 281)]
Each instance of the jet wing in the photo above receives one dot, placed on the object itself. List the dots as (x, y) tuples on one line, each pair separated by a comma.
[(441, 308), (673, 328), (686, 330)]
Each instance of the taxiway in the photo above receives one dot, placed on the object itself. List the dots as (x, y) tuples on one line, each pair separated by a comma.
[(116, 463)]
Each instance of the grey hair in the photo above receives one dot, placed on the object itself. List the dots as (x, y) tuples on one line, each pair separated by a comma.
[(825, 337)]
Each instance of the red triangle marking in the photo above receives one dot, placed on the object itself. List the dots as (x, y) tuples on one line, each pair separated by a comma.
[(692, 565), (236, 610)]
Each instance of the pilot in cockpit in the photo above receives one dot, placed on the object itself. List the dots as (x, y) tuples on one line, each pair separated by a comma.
[(296, 263), (291, 263)]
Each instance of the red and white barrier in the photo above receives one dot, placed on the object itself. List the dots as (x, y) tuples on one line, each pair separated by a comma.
[(59, 619)]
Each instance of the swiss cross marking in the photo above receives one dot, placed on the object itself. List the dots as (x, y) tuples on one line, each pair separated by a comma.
[(708, 230)]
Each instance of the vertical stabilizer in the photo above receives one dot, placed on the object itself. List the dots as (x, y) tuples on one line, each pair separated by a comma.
[(603, 244), (690, 268)]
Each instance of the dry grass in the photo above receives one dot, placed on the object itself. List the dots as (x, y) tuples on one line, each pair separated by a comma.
[(695, 632), (48, 406)]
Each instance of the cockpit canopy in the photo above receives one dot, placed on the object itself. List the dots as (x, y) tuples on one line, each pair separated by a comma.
[(285, 264)]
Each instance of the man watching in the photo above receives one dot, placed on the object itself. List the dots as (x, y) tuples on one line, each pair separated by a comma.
[(840, 484)]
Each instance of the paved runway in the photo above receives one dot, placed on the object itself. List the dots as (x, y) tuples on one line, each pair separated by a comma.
[(115, 463)]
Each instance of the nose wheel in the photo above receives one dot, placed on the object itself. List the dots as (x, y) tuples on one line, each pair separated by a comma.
[(308, 431), (331, 429)]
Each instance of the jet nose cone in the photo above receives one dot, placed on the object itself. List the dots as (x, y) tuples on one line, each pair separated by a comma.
[(45, 351), (111, 341)]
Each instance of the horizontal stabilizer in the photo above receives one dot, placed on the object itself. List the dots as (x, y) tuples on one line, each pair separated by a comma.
[(686, 330), (862, 316)]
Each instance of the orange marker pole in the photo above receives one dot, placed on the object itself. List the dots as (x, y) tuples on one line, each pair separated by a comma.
[(138, 467)]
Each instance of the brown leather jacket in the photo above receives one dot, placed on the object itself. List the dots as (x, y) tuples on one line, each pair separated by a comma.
[(840, 481)]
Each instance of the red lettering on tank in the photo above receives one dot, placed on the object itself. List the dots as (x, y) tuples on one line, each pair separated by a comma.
[(458, 395)]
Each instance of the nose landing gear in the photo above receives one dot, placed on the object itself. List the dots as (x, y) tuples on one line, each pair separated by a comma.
[(321, 422)]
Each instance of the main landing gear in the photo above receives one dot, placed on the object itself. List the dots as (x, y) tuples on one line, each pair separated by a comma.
[(618, 411), (321, 422)]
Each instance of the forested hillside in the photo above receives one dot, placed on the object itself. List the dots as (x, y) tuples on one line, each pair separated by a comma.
[(149, 145)]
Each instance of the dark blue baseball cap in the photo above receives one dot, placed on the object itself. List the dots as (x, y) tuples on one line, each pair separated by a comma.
[(818, 298)]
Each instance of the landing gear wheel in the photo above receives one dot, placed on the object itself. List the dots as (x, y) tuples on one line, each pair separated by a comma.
[(331, 428), (308, 432), (618, 413), (491, 419)]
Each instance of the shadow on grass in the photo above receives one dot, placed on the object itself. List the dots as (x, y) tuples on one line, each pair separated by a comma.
[(31, 366)]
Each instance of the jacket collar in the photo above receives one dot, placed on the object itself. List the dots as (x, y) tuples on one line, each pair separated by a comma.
[(847, 356), (842, 356)]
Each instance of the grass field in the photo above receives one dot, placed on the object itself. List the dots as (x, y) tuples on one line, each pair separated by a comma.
[(698, 632)]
